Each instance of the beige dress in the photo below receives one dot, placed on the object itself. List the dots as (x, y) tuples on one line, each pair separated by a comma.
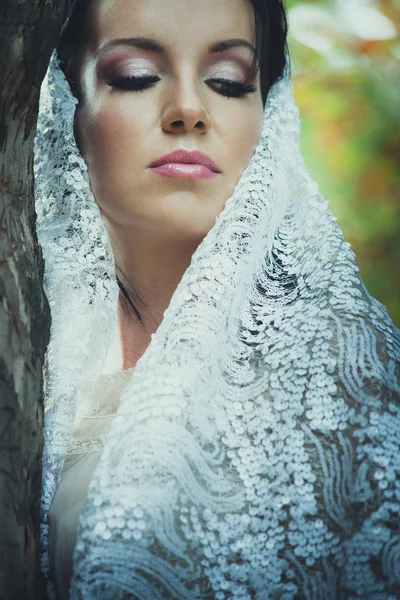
[(88, 436)]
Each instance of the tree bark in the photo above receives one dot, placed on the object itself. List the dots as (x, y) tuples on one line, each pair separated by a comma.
[(29, 30)]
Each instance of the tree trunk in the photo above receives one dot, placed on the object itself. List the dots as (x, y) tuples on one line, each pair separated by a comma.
[(28, 33)]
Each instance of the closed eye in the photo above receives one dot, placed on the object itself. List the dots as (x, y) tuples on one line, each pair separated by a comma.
[(132, 84), (231, 87)]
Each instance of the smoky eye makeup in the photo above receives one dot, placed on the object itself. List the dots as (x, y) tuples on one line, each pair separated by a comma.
[(127, 73), (125, 66), (235, 67), (230, 69), (232, 78)]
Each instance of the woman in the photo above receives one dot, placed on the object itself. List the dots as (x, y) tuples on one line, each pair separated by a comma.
[(222, 416)]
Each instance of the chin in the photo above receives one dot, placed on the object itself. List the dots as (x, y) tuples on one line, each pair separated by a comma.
[(190, 232), (189, 217)]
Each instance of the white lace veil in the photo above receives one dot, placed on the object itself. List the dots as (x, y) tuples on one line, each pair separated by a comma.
[(255, 452)]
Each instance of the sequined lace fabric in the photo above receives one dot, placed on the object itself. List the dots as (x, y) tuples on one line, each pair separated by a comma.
[(255, 453)]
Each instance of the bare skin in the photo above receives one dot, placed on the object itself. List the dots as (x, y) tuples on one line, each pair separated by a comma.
[(155, 223)]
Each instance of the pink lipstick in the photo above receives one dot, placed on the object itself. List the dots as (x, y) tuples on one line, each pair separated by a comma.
[(185, 164)]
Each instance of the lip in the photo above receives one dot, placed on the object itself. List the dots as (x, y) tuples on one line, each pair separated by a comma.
[(185, 164)]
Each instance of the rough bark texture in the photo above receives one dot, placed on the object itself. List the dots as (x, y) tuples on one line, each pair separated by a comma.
[(28, 33)]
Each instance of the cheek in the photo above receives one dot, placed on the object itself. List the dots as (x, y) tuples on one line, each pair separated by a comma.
[(112, 146), (108, 136), (242, 139)]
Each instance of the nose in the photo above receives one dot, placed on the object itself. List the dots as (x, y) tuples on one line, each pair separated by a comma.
[(185, 111)]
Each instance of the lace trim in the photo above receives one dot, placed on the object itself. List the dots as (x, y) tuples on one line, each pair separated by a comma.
[(86, 446)]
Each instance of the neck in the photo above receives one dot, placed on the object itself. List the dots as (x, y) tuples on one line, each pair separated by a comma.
[(153, 266)]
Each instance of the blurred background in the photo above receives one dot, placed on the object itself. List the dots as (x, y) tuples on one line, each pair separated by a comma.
[(346, 71)]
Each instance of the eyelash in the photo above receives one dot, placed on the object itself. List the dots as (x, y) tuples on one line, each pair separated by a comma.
[(233, 88), (229, 87)]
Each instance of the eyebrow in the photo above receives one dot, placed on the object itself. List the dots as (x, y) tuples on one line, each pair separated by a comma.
[(144, 43), (232, 43)]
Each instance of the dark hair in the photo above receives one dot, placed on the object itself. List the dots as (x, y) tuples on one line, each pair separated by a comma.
[(271, 55)]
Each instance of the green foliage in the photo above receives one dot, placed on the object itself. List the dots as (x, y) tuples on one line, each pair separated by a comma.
[(346, 66)]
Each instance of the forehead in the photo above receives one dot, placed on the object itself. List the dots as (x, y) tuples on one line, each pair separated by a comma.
[(178, 23)]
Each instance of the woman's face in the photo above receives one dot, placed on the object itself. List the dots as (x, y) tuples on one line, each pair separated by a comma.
[(159, 76)]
